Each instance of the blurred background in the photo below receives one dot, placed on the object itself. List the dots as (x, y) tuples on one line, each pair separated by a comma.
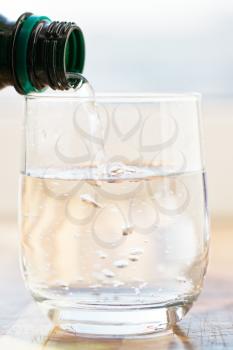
[(152, 45)]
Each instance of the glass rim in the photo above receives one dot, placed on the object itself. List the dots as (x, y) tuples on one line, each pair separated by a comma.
[(118, 96)]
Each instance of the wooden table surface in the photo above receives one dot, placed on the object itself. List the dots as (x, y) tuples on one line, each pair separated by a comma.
[(209, 324)]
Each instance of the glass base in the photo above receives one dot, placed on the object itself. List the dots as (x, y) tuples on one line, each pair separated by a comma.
[(116, 322)]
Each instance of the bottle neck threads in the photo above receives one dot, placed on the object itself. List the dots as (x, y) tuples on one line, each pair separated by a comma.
[(55, 48)]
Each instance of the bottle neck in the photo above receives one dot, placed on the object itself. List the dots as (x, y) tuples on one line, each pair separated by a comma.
[(37, 53), (56, 49)]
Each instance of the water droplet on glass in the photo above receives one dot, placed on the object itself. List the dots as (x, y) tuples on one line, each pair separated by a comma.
[(121, 263)]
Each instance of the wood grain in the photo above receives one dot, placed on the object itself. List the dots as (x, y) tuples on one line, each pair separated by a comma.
[(209, 324)]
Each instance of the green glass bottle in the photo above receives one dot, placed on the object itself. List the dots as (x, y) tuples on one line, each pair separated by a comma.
[(36, 53)]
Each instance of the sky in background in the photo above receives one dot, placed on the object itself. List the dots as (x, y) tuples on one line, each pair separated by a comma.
[(150, 45)]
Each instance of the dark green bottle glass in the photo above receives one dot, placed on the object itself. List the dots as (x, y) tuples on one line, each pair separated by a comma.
[(36, 53)]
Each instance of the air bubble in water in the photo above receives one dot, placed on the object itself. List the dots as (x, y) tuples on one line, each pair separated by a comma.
[(116, 169), (133, 258), (117, 283), (120, 263), (136, 251), (89, 200), (62, 285), (108, 273), (127, 230), (181, 279), (120, 169), (101, 254)]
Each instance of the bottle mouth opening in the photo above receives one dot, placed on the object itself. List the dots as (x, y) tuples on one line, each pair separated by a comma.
[(74, 52), (74, 57)]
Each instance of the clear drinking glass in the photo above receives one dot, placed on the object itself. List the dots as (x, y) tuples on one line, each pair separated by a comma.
[(113, 213)]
